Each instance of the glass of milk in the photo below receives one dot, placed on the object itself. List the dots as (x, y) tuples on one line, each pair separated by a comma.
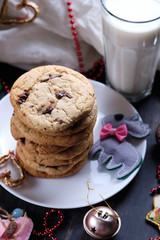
[(131, 32)]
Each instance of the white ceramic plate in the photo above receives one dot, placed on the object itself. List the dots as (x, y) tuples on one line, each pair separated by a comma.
[(71, 192)]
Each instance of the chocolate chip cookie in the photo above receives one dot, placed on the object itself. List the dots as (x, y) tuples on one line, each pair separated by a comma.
[(51, 98)]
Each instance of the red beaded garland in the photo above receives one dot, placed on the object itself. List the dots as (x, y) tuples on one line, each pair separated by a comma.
[(98, 68), (153, 191), (74, 33), (4, 86), (49, 231)]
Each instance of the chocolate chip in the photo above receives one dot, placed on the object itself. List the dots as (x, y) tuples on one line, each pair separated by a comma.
[(158, 134), (51, 76), (23, 97), (23, 140), (48, 110), (60, 121), (61, 94)]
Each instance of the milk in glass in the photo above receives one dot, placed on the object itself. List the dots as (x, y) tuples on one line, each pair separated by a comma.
[(131, 30)]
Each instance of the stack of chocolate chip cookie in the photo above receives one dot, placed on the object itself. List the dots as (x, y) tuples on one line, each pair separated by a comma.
[(55, 111)]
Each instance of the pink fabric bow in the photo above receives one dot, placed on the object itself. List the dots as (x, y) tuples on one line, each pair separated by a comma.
[(120, 132)]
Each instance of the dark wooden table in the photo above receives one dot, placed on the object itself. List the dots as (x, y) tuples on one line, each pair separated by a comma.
[(132, 203)]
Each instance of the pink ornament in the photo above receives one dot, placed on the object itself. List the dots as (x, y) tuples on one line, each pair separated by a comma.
[(23, 229)]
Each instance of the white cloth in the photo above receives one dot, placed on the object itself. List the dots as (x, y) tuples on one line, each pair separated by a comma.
[(49, 39)]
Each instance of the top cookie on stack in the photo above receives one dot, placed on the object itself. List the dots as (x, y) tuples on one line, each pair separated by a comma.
[(55, 111), (51, 98)]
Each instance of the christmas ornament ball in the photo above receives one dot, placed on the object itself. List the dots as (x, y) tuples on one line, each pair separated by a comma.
[(101, 222)]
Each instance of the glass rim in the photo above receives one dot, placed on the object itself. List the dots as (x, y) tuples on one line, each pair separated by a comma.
[(125, 20)]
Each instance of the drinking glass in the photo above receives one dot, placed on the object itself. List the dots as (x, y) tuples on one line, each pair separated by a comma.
[(131, 37)]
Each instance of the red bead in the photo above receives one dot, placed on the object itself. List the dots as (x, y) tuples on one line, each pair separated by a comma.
[(48, 213), (75, 39), (77, 43), (59, 211), (81, 71), (53, 210), (72, 21), (69, 3), (6, 87), (47, 230), (45, 224), (62, 216), (52, 229), (39, 234), (98, 75), (151, 239), (78, 48), (158, 188), (80, 59), (73, 27), (79, 53), (153, 190), (7, 91), (81, 65), (70, 9), (50, 235), (34, 231), (56, 226), (71, 15), (3, 82), (158, 172), (74, 33)]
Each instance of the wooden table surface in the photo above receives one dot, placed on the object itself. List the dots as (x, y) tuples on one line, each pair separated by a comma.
[(132, 203)]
